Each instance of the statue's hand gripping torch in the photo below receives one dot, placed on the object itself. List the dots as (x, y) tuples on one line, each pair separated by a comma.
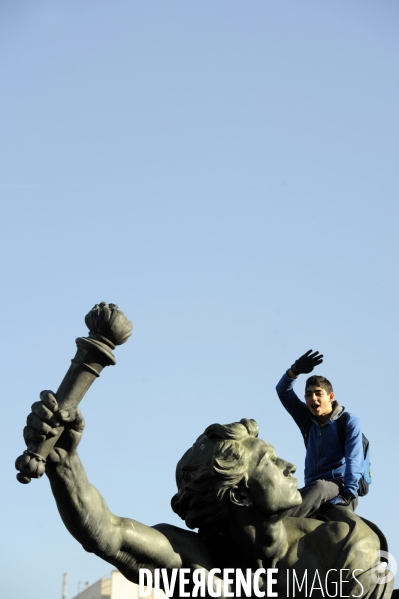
[(108, 327)]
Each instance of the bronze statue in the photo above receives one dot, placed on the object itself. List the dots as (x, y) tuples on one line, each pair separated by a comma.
[(235, 490)]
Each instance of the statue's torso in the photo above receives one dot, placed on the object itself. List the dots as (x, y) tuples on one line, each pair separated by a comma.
[(338, 557)]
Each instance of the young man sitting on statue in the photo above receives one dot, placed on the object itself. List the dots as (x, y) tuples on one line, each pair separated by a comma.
[(333, 468)]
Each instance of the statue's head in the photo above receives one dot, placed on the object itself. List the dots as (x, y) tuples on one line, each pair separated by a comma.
[(229, 466)]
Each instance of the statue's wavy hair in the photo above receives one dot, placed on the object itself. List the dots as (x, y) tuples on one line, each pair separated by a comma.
[(214, 464)]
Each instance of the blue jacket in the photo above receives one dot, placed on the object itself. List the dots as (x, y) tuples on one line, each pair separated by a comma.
[(325, 457)]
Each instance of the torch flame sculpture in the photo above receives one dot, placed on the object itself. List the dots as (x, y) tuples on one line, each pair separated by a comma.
[(108, 327)]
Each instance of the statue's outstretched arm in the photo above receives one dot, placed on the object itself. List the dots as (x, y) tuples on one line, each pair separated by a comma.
[(124, 543)]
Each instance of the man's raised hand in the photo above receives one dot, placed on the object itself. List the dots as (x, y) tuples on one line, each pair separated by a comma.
[(43, 421), (307, 362)]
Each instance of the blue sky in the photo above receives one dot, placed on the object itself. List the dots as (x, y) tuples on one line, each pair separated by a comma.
[(227, 173)]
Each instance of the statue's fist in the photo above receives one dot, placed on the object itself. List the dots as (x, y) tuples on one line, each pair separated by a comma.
[(44, 421)]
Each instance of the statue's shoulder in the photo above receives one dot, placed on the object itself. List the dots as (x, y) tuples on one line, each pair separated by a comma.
[(352, 526), (340, 540), (355, 539), (189, 545), (202, 551)]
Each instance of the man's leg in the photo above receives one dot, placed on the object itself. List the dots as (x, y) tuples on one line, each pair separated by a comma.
[(353, 504), (313, 496)]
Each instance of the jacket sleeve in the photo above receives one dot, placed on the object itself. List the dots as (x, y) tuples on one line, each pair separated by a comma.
[(294, 406), (354, 462)]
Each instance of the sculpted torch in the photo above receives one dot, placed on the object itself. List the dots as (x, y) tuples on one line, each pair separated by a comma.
[(108, 327)]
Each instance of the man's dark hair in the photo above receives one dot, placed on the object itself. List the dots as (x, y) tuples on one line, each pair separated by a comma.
[(216, 462), (319, 381)]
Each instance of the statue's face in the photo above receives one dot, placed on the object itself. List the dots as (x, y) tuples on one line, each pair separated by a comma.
[(271, 483)]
